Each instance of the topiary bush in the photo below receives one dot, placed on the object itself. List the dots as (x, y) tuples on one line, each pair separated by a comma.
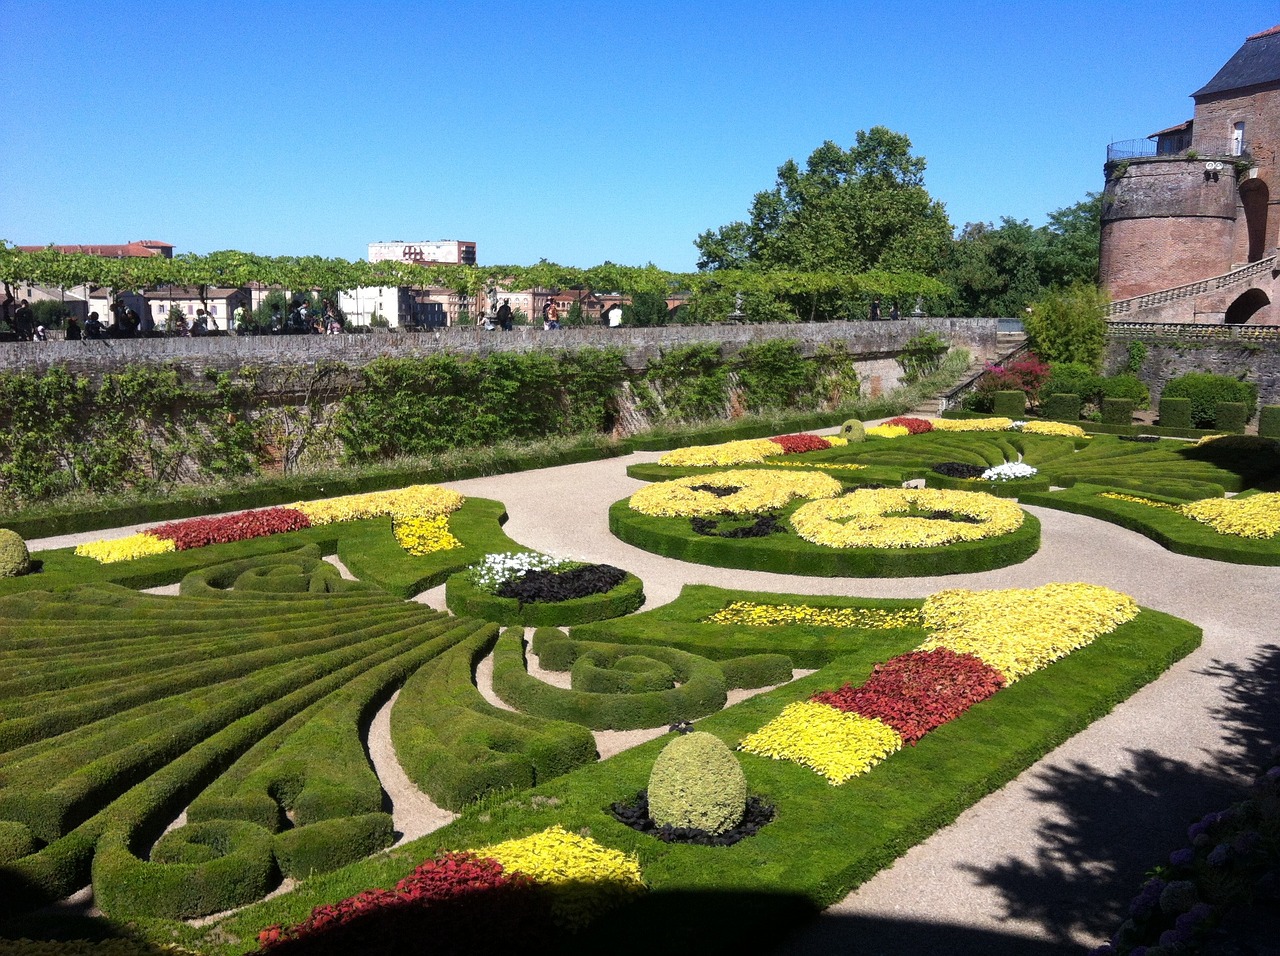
[(1231, 417), (1126, 386), (853, 430), (1175, 412), (1009, 404), (1117, 411), (14, 559), (1063, 407), (1269, 421), (697, 783), (1205, 392), (1073, 378)]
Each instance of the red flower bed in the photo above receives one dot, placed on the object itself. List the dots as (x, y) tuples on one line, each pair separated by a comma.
[(796, 444), (916, 426), (197, 532), (454, 903), (916, 692)]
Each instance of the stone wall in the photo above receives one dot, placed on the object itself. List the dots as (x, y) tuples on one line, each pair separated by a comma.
[(1166, 360), (875, 342)]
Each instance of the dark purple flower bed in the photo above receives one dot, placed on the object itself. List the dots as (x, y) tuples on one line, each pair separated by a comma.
[(959, 469), (551, 586), (635, 814), (760, 526), (720, 491)]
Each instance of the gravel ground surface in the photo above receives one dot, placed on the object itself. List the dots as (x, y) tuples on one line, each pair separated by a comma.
[(1047, 863)]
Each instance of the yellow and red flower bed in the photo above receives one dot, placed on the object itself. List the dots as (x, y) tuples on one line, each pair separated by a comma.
[(419, 513), (880, 518), (748, 451), (755, 490), (982, 641), (516, 891)]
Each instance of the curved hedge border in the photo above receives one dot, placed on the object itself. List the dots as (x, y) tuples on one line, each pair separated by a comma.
[(1001, 489), (464, 598), (701, 690), (789, 554)]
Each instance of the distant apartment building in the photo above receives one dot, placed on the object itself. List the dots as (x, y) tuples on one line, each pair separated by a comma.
[(403, 307), (140, 248), (445, 251), (221, 303)]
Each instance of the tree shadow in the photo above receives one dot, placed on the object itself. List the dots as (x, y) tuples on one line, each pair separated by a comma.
[(1102, 834)]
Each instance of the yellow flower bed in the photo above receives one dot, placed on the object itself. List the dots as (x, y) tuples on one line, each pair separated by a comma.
[(1257, 516), (810, 464), (748, 451), (750, 614), (836, 744), (125, 549), (837, 441), (760, 491), (585, 878), (1053, 428), (866, 519), (1117, 496), (425, 535), (1019, 630), (887, 431), (416, 501), (971, 424)]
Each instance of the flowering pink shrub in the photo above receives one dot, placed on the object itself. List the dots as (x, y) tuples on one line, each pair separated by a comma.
[(1028, 374), (797, 444), (914, 693), (198, 532)]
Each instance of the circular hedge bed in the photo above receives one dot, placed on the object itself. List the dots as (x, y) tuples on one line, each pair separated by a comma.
[(787, 553), (465, 599)]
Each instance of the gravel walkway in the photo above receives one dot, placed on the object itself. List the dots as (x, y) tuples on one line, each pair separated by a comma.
[(1047, 863)]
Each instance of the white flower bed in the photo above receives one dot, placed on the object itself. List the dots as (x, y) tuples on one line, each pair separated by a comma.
[(489, 574), (1010, 471)]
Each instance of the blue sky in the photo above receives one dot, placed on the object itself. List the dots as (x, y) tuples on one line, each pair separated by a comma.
[(574, 131)]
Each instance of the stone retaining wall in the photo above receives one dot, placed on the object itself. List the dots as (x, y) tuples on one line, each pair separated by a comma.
[(1253, 362)]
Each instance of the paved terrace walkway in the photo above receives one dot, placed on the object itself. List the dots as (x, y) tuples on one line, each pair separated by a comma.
[(1046, 864)]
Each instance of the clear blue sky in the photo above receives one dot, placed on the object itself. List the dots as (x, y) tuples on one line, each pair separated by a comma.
[(574, 131)]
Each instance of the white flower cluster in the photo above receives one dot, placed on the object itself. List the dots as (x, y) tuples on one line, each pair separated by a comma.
[(1009, 471), (1016, 426), (489, 573)]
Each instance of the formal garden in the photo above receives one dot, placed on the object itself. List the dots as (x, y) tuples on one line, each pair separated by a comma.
[(202, 755)]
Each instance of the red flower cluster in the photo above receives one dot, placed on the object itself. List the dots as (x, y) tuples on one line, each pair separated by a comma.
[(916, 426), (916, 692), (451, 901), (797, 444), (198, 532)]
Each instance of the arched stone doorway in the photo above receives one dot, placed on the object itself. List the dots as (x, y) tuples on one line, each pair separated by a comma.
[(1254, 197), (1246, 306)]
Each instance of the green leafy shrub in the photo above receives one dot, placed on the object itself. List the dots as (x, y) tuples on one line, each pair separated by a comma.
[(1175, 412), (1069, 325), (1117, 411), (1269, 421), (853, 430), (1073, 378), (1009, 404), (1062, 407), (14, 558), (1126, 386), (921, 356), (1206, 390), (697, 783), (1231, 416), (774, 374)]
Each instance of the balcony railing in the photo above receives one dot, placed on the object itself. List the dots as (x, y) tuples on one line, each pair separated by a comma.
[(1174, 147)]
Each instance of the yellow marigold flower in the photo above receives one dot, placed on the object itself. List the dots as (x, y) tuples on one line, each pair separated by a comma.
[(416, 501), (125, 549), (585, 877), (425, 535), (751, 614), (1019, 630), (1257, 516), (749, 451), (759, 490), (837, 441), (971, 424), (837, 745), (1052, 428), (872, 518), (813, 464), (1117, 496), (887, 431)]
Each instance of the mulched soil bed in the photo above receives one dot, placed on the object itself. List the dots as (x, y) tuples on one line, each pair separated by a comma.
[(635, 814)]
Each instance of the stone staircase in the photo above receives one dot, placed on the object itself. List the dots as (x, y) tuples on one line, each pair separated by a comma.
[(1228, 280), (930, 407), (1008, 345)]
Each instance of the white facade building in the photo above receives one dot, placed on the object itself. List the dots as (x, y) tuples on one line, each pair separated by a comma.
[(445, 251)]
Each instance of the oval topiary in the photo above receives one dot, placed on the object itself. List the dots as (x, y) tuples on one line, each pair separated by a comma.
[(14, 559), (697, 783), (853, 430)]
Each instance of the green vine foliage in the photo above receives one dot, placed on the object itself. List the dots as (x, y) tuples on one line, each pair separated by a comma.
[(775, 374), (688, 383), (921, 356)]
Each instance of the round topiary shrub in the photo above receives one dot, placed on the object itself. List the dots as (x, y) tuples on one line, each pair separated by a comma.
[(14, 559), (697, 783), (853, 430)]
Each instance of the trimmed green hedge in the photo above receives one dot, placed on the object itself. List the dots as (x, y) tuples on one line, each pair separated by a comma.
[(330, 844), (1061, 408), (1175, 412), (1001, 489), (701, 690), (1231, 417), (1010, 404), (1117, 411), (463, 597), (789, 554), (1269, 421)]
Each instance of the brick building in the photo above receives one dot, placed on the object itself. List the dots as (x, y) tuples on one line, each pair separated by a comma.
[(1190, 227)]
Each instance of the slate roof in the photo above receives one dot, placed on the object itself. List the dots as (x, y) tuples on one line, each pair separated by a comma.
[(1255, 63)]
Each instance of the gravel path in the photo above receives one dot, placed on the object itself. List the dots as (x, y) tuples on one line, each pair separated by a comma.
[(1045, 864)]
